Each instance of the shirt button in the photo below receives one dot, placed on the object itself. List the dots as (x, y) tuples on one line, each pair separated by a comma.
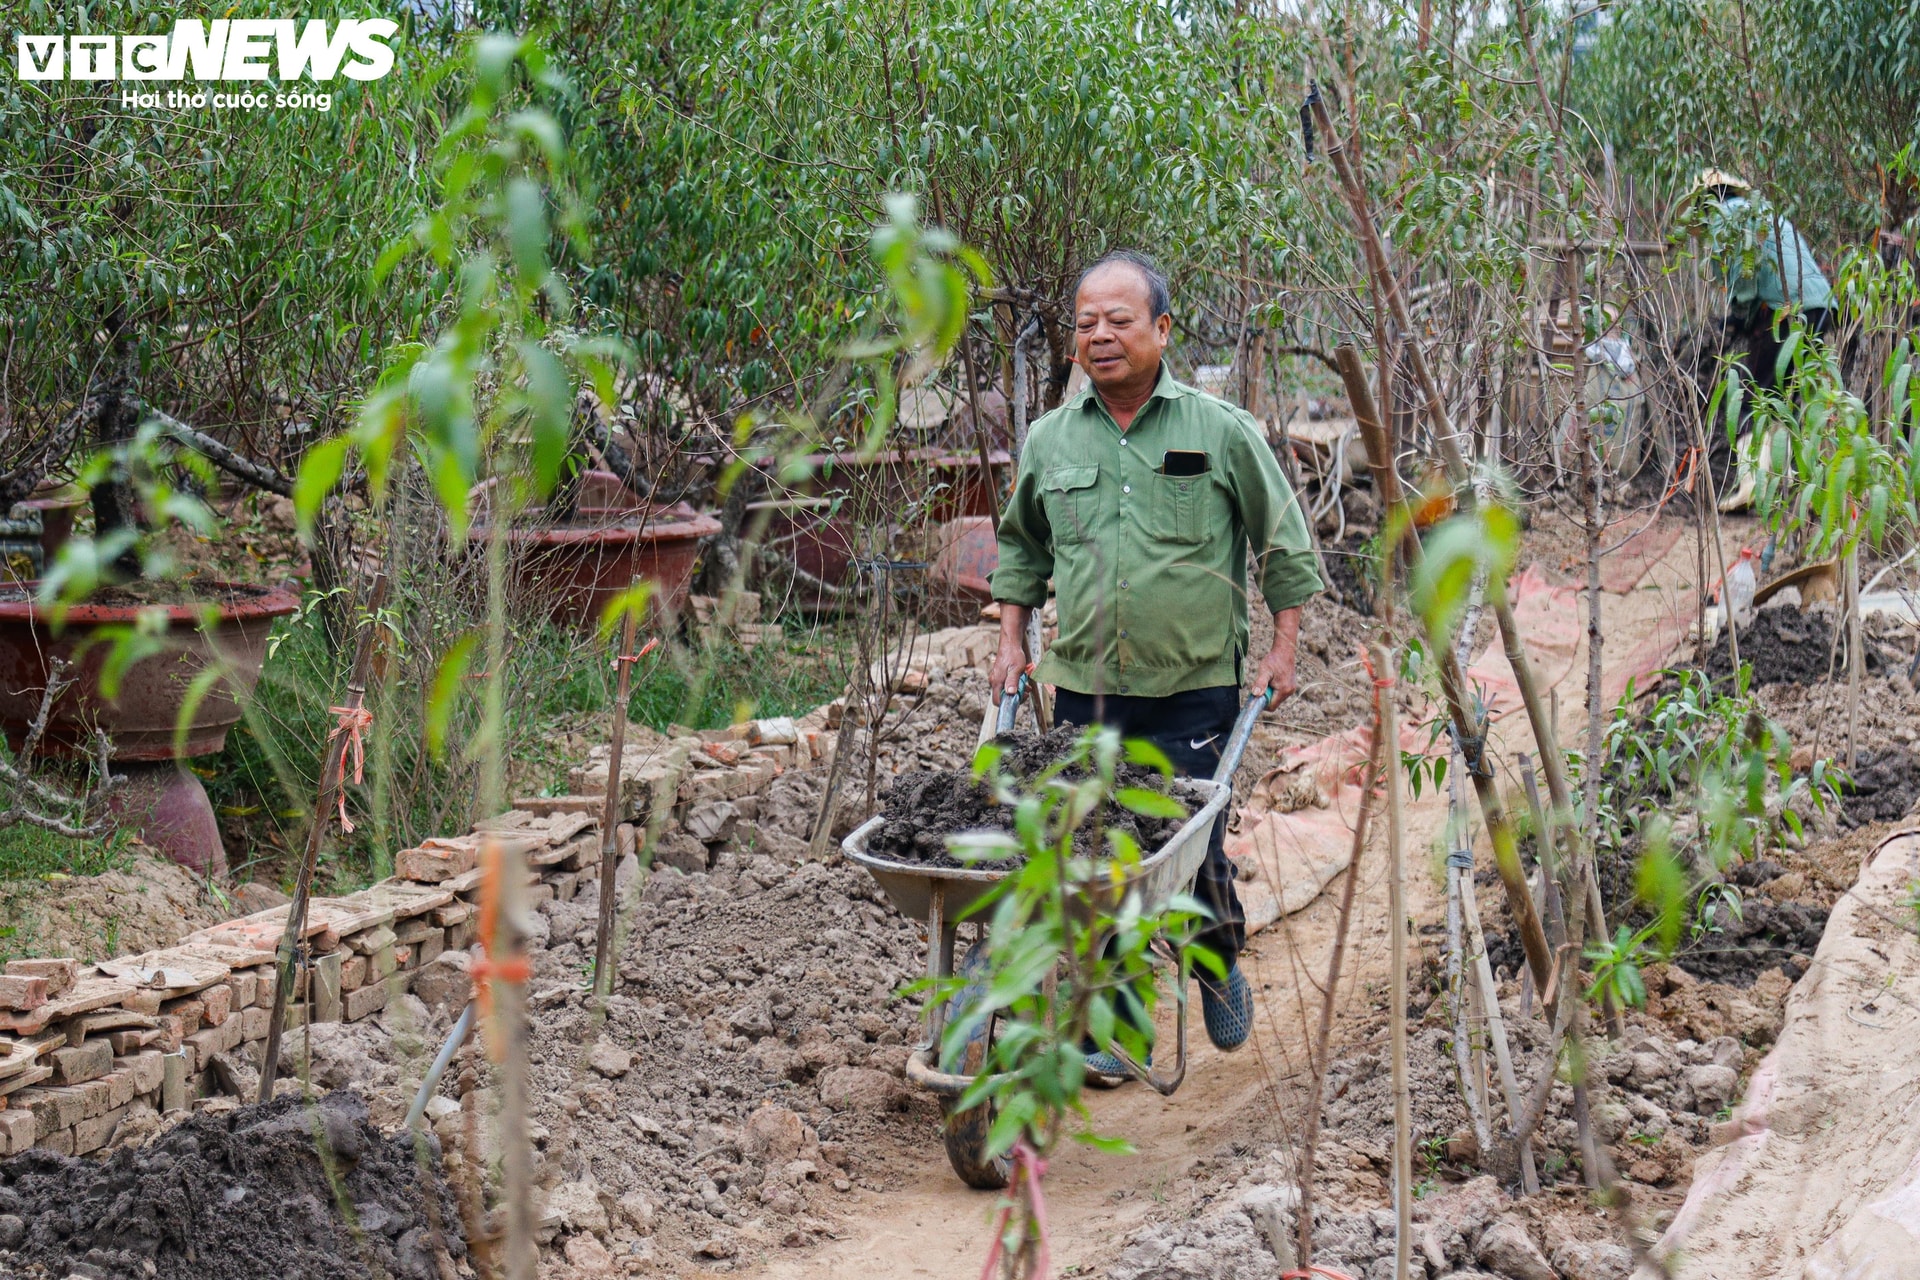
[(1123, 635), (1123, 584), (1126, 488), (1123, 688), (1123, 442)]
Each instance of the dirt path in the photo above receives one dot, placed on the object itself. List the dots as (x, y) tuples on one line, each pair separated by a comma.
[(926, 1224)]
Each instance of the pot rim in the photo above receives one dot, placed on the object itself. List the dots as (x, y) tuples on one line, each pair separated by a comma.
[(272, 602), (701, 526)]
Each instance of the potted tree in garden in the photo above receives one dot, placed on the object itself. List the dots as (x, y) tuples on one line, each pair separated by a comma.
[(169, 306), (109, 657), (598, 535)]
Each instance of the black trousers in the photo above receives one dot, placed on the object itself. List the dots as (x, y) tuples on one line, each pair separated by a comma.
[(1755, 324), (1192, 728)]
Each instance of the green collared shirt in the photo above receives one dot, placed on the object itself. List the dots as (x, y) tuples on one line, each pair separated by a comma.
[(1755, 279), (1150, 569)]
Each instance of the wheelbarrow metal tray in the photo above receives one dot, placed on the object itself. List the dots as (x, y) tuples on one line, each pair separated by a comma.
[(1166, 871)]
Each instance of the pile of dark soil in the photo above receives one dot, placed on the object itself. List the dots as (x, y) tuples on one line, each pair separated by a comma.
[(1767, 935), (922, 809), (1786, 646), (1350, 575), (1883, 787), (282, 1189)]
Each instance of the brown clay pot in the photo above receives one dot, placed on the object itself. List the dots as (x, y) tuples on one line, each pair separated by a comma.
[(576, 568), (140, 721), (820, 539)]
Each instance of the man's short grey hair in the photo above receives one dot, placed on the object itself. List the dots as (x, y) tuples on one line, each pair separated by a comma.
[(1159, 298)]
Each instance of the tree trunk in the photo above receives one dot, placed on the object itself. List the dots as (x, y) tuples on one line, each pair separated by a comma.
[(116, 507)]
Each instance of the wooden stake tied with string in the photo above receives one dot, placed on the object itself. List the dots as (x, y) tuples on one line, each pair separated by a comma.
[(1385, 717), (351, 720), (624, 659)]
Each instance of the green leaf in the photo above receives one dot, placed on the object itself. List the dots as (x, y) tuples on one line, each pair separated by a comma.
[(1143, 752), (527, 231), (449, 679), (196, 693), (630, 601), (1482, 541), (1151, 804), (1662, 885), (319, 472), (549, 395), (130, 645), (1100, 1019), (1106, 1146)]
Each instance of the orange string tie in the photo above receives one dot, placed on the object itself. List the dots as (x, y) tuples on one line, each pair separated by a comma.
[(645, 649), (351, 721), (1379, 682), (513, 968)]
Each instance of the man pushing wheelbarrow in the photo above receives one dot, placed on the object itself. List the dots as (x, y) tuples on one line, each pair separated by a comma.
[(1141, 498)]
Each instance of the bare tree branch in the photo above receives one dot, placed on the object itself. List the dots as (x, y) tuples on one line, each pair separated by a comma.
[(254, 473), (54, 801), (17, 484)]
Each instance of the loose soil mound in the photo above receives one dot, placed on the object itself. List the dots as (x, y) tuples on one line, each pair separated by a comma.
[(1883, 787), (233, 1196), (923, 809), (1786, 646), (142, 904), (1767, 934)]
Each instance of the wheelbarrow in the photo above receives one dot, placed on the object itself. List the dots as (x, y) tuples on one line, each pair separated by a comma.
[(942, 895)]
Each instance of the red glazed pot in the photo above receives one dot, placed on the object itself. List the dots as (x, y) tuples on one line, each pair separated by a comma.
[(141, 720)]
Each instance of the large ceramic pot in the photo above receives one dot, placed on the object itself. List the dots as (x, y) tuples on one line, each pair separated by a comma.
[(576, 568), (815, 526), (140, 722)]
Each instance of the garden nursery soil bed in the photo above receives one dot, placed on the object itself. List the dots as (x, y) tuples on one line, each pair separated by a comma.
[(922, 809), (235, 1195), (1784, 645)]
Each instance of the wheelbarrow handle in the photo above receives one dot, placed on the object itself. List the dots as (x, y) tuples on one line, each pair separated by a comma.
[(1010, 705), (1241, 735)]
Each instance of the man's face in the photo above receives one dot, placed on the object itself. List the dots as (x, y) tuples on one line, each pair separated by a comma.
[(1117, 339)]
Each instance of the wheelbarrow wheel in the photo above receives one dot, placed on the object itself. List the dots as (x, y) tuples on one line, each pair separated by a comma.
[(966, 1131)]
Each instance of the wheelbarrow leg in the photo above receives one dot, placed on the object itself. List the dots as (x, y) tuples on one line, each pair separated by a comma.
[(940, 937), (1163, 1085)]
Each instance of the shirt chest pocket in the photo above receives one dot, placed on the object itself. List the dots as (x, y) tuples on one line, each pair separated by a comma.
[(1072, 502), (1181, 508)]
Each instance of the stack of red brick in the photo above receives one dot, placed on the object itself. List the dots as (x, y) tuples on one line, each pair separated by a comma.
[(84, 1049)]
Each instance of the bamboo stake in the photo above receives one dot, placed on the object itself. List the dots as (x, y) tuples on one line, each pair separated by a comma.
[(510, 1011), (1323, 1042), (1549, 883), (623, 659), (1497, 1033), (1595, 522), (1397, 1003), (332, 771), (1465, 1060), (1856, 652)]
